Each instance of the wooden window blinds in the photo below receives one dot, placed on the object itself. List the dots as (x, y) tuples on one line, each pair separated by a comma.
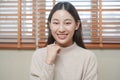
[(17, 24), (23, 22), (100, 21)]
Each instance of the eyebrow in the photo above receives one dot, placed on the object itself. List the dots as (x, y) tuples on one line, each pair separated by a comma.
[(68, 19), (64, 20), (54, 20)]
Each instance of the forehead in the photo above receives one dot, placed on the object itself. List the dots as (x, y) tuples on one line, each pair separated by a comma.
[(62, 15)]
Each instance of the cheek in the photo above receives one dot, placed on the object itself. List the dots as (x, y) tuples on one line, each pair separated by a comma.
[(71, 29), (53, 29), (72, 32)]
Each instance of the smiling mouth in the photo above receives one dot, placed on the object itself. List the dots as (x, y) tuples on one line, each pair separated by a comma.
[(62, 36)]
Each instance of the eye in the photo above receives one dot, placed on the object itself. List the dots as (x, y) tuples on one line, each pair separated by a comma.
[(68, 23), (55, 23)]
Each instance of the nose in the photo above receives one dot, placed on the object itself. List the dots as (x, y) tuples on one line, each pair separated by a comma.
[(61, 28)]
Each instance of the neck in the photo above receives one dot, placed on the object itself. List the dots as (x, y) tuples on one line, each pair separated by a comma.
[(64, 45)]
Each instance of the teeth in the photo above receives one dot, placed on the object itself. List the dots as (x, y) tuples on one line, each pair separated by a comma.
[(62, 36)]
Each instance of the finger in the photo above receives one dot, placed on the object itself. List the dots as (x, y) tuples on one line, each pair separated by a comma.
[(58, 51)]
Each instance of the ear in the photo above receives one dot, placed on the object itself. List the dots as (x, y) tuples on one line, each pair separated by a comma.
[(77, 25)]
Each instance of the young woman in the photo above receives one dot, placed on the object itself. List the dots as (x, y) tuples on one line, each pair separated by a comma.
[(64, 57)]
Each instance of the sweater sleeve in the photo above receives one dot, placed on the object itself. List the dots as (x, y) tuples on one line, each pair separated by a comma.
[(91, 68), (39, 69)]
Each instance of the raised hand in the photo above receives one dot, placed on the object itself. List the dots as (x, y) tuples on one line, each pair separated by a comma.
[(52, 51)]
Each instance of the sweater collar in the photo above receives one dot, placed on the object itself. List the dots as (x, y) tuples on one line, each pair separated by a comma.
[(68, 49)]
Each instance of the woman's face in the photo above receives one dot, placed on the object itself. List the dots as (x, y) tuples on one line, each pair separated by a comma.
[(62, 27)]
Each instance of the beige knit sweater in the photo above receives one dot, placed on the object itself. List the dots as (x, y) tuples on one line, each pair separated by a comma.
[(73, 63)]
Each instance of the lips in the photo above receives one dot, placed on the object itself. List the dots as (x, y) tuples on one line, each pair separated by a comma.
[(62, 36)]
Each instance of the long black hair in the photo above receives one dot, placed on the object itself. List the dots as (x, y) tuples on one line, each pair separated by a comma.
[(77, 37)]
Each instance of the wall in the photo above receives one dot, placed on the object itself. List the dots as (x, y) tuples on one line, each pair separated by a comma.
[(108, 64), (15, 64)]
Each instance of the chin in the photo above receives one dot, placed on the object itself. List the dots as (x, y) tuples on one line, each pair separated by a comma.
[(62, 42)]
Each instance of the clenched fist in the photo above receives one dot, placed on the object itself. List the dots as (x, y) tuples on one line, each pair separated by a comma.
[(52, 51)]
